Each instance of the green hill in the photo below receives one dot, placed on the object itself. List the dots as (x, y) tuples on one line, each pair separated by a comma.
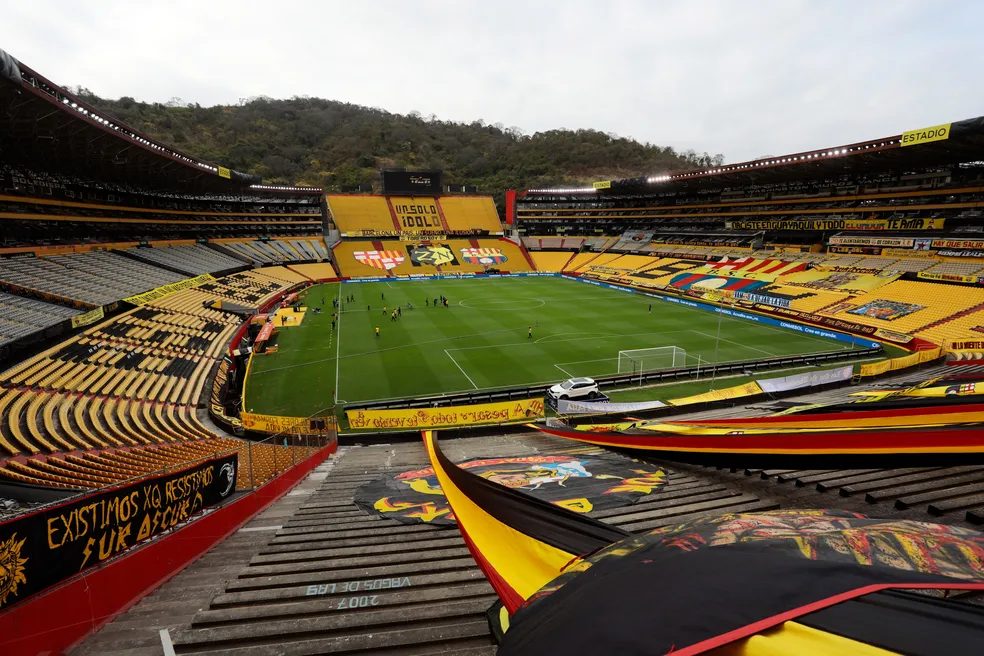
[(340, 146)]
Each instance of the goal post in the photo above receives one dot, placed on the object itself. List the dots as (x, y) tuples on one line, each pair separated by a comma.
[(640, 361)]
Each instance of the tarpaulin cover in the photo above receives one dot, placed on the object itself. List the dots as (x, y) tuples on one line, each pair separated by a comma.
[(582, 482)]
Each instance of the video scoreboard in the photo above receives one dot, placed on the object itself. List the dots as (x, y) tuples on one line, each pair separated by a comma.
[(412, 183)]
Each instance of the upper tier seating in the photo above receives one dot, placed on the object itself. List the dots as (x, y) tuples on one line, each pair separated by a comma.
[(355, 215), (276, 251), (192, 259), (463, 213), (94, 277)]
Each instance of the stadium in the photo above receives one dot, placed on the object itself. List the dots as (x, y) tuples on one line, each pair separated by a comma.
[(251, 418)]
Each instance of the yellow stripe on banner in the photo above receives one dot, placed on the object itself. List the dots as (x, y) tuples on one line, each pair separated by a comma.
[(455, 415), (746, 389), (276, 424), (795, 638), (87, 318), (524, 563)]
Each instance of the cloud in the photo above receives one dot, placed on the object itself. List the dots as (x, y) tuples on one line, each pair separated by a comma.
[(743, 79)]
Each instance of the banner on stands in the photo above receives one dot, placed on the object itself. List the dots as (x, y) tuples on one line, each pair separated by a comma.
[(949, 277), (275, 424), (88, 318), (455, 415), (164, 290), (808, 379), (41, 549), (566, 407)]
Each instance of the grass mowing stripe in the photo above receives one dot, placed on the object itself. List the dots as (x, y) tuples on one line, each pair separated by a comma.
[(480, 340)]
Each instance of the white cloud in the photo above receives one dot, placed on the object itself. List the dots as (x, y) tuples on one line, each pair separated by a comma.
[(740, 78)]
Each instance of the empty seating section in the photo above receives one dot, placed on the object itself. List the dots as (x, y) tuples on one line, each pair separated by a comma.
[(318, 271), (275, 251), (464, 213), (192, 259), (258, 463), (88, 210), (945, 313), (934, 301), (94, 277), (390, 257), (119, 400), (957, 268), (20, 316), (359, 216), (550, 260)]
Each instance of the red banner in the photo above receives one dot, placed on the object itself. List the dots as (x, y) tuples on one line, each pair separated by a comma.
[(510, 206)]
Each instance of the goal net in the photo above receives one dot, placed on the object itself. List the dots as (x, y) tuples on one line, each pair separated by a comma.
[(638, 361)]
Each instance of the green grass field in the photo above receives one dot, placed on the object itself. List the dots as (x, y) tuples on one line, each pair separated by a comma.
[(481, 340)]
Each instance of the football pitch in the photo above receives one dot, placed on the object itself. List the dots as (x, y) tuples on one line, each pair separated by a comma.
[(494, 332)]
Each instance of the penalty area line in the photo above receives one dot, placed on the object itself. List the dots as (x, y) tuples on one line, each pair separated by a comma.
[(566, 373), (460, 369)]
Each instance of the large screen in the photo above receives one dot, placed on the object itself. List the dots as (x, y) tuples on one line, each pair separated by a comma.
[(426, 183)]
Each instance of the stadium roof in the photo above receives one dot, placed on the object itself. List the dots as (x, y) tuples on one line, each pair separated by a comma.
[(947, 144), (45, 126)]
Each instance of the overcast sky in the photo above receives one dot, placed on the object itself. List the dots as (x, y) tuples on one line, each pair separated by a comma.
[(741, 78)]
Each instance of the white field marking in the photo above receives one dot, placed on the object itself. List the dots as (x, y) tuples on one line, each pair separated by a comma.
[(389, 348), (460, 369), (338, 343), (566, 373), (571, 339), (166, 643), (744, 346), (544, 339), (514, 304)]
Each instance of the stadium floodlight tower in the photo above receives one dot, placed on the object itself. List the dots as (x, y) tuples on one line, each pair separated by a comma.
[(642, 361)]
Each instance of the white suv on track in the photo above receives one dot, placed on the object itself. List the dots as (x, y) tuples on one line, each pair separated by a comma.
[(575, 388)]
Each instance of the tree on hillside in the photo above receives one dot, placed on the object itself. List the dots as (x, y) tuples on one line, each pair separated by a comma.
[(340, 146)]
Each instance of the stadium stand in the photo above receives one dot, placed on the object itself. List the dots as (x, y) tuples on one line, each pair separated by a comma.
[(359, 259), (359, 216), (24, 316), (123, 397), (191, 259), (275, 251), (470, 214), (94, 278)]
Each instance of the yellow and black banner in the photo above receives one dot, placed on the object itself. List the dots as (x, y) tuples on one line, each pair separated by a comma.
[(925, 135), (224, 173), (603, 184), (88, 318), (577, 481), (46, 547), (838, 224), (161, 292), (455, 415), (747, 389), (968, 345), (431, 255), (949, 277), (276, 424)]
